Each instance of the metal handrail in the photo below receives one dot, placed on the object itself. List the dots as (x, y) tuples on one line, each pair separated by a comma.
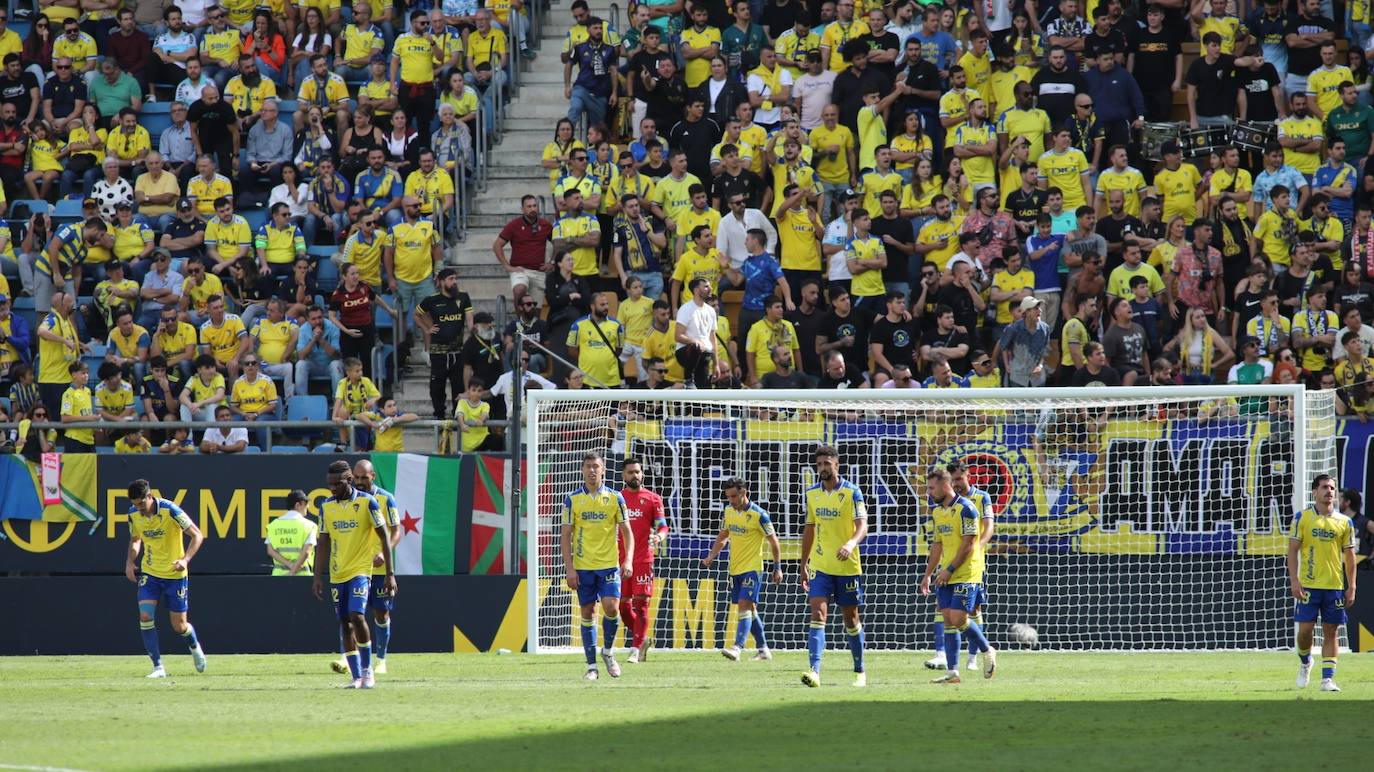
[(513, 58), (480, 149), (350, 425), (615, 18)]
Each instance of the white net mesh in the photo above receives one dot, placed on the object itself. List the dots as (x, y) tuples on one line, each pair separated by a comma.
[(1154, 521)]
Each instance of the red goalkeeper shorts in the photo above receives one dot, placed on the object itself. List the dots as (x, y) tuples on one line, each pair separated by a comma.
[(642, 583)]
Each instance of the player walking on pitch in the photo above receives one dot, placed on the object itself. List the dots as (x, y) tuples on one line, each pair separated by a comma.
[(1321, 574), (958, 553), (593, 514), (351, 527), (379, 601), (982, 502), (745, 525), (836, 523), (987, 526), (156, 527), (644, 509)]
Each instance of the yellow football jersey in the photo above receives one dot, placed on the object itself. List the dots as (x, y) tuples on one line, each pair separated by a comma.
[(748, 528), (953, 521), (1322, 542), (595, 518), (350, 523), (161, 537), (835, 515)]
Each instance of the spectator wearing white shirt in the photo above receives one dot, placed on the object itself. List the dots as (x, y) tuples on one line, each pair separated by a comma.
[(1355, 323), (292, 192), (735, 226), (218, 440), (696, 337), (502, 387), (837, 235)]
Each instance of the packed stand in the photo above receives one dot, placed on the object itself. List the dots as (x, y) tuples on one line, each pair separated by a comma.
[(229, 212), (812, 194)]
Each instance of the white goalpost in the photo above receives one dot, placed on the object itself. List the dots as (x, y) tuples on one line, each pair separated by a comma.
[(1146, 518)]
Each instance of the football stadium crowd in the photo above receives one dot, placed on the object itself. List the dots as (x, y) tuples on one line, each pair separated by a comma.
[(212, 208)]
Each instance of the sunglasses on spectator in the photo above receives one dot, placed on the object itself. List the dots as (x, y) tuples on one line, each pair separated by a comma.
[(529, 305), (251, 363), (62, 67)]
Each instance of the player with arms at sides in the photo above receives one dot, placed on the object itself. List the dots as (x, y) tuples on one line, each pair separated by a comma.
[(1321, 574), (155, 528), (593, 515), (350, 520), (958, 552), (982, 503), (644, 509), (378, 601), (836, 523), (745, 526)]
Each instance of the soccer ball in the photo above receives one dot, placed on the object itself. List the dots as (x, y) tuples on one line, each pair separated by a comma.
[(1025, 634)]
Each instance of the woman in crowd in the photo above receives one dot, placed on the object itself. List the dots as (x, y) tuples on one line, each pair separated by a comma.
[(402, 150), (1202, 351), (268, 46), (311, 39), (352, 308), (557, 152), (357, 142)]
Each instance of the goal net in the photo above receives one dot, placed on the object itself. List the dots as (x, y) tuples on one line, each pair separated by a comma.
[(1133, 519)]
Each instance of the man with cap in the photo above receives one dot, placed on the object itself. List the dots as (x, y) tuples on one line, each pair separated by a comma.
[(442, 318), (184, 236), (1024, 344), (291, 538), (162, 287), (483, 356)]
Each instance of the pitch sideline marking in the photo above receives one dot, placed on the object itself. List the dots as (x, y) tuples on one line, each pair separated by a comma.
[(39, 768)]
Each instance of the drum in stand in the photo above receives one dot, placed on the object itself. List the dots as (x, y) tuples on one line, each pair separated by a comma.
[(1253, 136), (1154, 135), (1204, 140)]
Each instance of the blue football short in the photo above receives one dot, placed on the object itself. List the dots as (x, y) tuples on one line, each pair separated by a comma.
[(845, 590), (378, 598), (1328, 604), (594, 585), (350, 597), (171, 594), (745, 586), (962, 596), (981, 599)]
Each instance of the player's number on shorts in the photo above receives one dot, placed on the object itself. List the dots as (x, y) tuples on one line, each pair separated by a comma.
[(142, 580), (334, 592)]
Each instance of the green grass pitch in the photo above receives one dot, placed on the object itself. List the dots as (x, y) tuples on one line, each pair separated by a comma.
[(692, 711)]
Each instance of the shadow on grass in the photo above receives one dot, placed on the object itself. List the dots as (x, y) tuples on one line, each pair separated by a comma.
[(854, 734)]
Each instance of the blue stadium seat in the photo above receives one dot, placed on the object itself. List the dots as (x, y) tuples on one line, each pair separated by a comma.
[(252, 449), (23, 303), (327, 447), (256, 217), (67, 207), (35, 205), (102, 450), (155, 123), (326, 275), (286, 106), (21, 28), (290, 449), (154, 108), (322, 252), (307, 408), (384, 319)]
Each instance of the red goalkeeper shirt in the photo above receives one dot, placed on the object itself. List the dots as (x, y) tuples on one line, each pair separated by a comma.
[(645, 511)]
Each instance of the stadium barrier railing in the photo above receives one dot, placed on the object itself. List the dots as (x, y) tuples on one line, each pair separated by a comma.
[(324, 428)]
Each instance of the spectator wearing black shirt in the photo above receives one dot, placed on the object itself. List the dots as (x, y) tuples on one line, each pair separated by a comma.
[(945, 340), (884, 46), (1263, 87), (1026, 203), (1116, 227), (807, 318), (843, 330), (215, 127), (1231, 238), (63, 96), (184, 236), (860, 79), (960, 291), (1355, 293), (1310, 28), (1056, 85), (664, 93), (735, 179), (1212, 85), (19, 87), (1104, 39), (838, 375), (1248, 297), (922, 95), (891, 340), (721, 94), (783, 376), (535, 330), (1095, 371), (899, 240), (696, 135), (1156, 61), (443, 319), (778, 18)]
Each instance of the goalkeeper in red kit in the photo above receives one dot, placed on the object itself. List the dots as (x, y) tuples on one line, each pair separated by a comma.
[(645, 511)]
